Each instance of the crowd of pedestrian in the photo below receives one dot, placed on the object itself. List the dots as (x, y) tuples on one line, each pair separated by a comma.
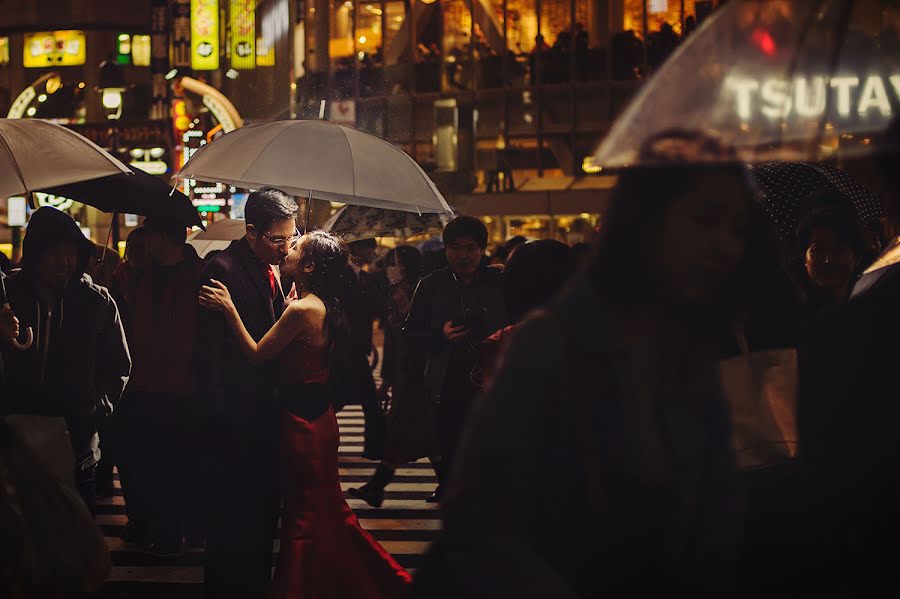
[(600, 420)]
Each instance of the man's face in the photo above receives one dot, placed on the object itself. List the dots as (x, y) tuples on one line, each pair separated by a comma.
[(273, 246), (56, 266), (464, 255)]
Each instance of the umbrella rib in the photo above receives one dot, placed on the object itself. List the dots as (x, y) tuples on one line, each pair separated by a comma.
[(15, 163), (353, 165)]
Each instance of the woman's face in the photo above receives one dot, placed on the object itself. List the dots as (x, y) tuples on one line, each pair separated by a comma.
[(830, 261), (293, 261), (395, 274), (701, 239)]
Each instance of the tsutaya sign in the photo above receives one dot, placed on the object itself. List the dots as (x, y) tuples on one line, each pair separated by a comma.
[(853, 96)]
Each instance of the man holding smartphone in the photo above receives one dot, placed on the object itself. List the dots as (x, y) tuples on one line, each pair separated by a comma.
[(452, 311)]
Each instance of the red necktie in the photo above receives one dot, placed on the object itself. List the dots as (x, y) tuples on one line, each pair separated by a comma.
[(272, 280)]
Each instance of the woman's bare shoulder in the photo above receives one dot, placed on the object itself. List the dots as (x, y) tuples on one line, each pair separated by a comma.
[(306, 307)]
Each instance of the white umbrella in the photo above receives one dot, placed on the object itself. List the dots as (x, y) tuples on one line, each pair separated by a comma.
[(320, 160), (353, 223), (37, 154), (769, 80), (218, 235)]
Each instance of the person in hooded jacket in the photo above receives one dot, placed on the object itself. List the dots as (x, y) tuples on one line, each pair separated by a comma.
[(78, 364)]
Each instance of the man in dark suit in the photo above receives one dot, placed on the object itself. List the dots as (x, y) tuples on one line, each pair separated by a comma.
[(362, 308), (242, 404)]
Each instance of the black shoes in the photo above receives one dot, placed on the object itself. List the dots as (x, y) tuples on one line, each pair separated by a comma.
[(435, 497), (368, 493)]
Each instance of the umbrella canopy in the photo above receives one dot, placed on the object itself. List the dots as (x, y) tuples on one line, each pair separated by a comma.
[(359, 222), (36, 154), (771, 80), (785, 186), (135, 193), (218, 235), (321, 159)]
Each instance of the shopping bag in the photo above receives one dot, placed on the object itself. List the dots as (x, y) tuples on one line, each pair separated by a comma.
[(58, 550), (761, 389), (48, 438)]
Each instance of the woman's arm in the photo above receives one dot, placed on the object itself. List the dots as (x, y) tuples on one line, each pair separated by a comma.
[(288, 327)]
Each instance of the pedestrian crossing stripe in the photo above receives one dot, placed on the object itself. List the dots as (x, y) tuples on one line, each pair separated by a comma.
[(404, 525)]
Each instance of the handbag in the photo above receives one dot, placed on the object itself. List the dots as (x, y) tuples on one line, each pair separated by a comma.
[(761, 389)]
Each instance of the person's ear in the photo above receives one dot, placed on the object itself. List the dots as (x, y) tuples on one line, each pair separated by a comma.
[(308, 267), (252, 233)]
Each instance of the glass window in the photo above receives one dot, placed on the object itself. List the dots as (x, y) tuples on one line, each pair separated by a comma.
[(456, 45)]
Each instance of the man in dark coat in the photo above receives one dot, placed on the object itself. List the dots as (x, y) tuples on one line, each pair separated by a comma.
[(241, 403), (849, 424), (159, 411), (452, 311), (363, 302), (78, 364)]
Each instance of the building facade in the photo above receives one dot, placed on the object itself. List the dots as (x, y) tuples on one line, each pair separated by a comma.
[(501, 101)]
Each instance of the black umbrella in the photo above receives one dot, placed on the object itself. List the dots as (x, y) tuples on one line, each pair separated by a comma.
[(786, 185), (140, 193)]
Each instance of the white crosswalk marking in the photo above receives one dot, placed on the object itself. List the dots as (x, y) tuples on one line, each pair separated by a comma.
[(405, 525)]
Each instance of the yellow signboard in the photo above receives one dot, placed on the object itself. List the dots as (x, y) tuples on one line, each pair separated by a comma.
[(54, 49), (204, 35), (243, 34), (265, 52)]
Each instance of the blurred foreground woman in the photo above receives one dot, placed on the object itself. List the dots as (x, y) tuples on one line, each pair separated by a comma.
[(599, 463)]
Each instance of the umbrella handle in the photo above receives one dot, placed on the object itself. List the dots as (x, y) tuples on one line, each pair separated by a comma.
[(29, 338)]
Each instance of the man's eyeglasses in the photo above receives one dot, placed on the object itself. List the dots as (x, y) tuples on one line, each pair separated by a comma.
[(291, 241)]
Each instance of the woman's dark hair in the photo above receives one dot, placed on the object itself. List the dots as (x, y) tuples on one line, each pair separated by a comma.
[(330, 280), (535, 272), (465, 226), (269, 205), (409, 258), (622, 265)]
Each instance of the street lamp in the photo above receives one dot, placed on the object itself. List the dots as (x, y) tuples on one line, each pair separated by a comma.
[(112, 86)]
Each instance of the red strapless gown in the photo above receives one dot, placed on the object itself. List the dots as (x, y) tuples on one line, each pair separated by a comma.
[(324, 552)]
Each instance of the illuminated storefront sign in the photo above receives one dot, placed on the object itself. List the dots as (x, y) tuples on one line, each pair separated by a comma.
[(265, 53), (140, 50), (243, 34), (54, 49), (16, 211), (205, 35), (866, 97), (58, 202), (152, 167)]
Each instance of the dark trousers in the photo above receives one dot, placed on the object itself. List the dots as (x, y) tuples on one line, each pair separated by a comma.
[(155, 462), (85, 484), (375, 418), (244, 507), (452, 413)]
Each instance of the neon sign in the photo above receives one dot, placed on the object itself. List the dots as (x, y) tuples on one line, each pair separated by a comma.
[(808, 96)]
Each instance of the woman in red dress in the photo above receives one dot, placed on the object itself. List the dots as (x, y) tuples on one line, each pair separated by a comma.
[(324, 550)]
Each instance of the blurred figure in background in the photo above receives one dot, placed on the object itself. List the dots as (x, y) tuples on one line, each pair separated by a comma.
[(362, 308), (452, 311), (160, 417), (830, 248), (535, 272), (600, 460), (410, 433)]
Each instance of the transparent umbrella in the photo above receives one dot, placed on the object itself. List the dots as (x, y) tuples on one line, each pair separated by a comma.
[(798, 80)]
